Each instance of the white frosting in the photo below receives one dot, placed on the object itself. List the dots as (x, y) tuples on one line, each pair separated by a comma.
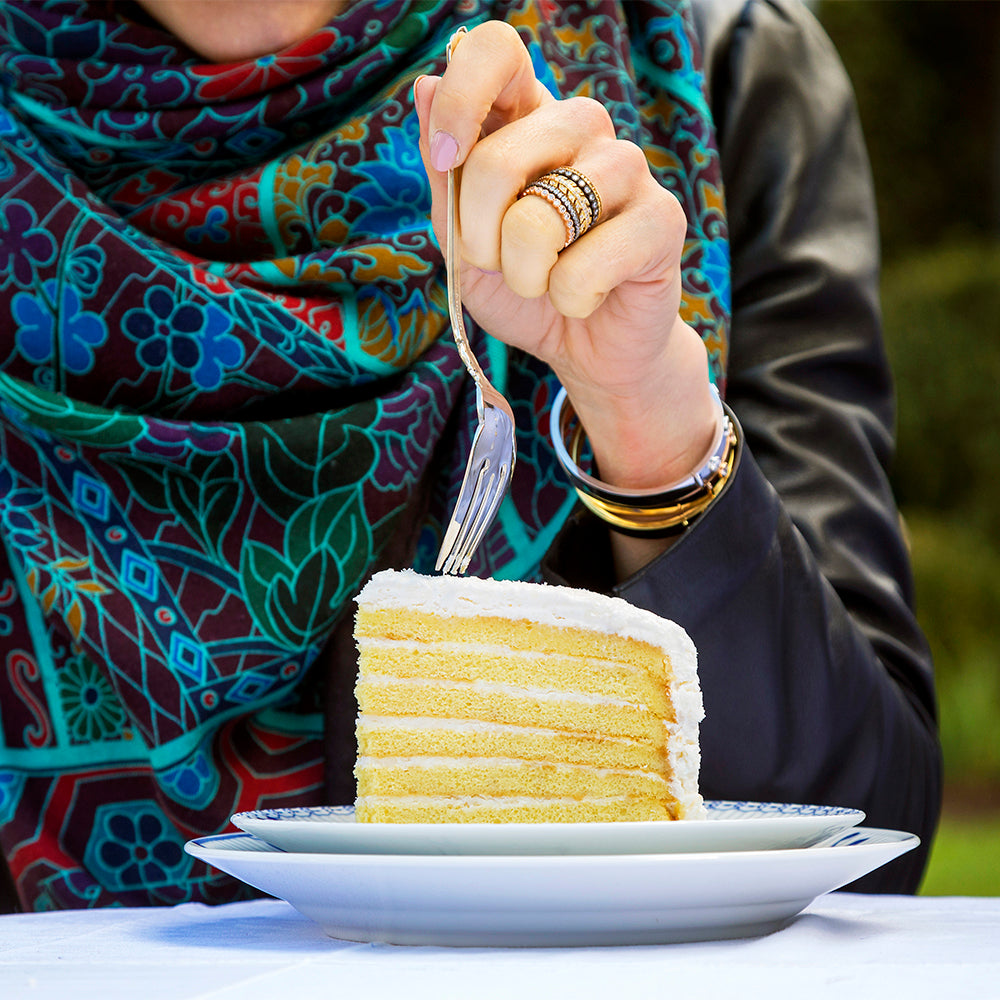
[(469, 596)]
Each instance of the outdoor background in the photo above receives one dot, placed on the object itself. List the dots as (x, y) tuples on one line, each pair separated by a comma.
[(927, 78)]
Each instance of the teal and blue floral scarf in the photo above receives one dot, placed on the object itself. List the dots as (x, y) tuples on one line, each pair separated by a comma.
[(228, 393)]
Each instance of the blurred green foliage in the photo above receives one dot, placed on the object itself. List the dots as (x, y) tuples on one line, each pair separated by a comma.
[(960, 858), (927, 78), (942, 320), (942, 311), (958, 603)]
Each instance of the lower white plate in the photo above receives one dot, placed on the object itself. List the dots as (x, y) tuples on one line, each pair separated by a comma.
[(519, 900), (730, 826)]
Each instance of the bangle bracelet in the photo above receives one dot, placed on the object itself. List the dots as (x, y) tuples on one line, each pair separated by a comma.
[(649, 513)]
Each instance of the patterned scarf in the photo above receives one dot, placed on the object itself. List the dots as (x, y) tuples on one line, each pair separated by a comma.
[(228, 393)]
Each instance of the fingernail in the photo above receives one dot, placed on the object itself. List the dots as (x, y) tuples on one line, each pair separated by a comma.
[(416, 84), (444, 151)]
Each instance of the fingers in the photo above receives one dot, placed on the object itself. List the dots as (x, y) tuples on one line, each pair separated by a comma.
[(489, 82), (639, 235), (639, 238), (639, 246), (575, 132), (489, 114), (424, 89)]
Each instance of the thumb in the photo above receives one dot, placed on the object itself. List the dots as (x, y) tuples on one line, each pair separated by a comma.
[(424, 88)]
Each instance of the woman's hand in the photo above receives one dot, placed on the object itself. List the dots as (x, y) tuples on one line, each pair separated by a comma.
[(603, 313)]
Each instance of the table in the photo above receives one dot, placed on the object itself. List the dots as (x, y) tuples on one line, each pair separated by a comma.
[(844, 945)]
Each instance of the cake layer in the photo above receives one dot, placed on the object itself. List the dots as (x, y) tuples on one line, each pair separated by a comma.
[(499, 776), (397, 736), (498, 702), (474, 661), (514, 632), (460, 809)]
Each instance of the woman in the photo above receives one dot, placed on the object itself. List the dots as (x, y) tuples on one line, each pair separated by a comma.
[(229, 393)]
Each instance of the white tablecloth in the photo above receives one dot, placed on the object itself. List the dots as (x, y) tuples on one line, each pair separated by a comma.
[(844, 945)]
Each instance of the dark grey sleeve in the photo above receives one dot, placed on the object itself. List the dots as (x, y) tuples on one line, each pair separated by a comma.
[(795, 585)]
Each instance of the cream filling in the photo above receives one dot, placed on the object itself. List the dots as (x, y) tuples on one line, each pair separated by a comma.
[(487, 801), (419, 723), (463, 763), (498, 687), (487, 649)]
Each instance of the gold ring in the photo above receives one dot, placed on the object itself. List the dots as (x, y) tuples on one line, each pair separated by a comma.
[(572, 195)]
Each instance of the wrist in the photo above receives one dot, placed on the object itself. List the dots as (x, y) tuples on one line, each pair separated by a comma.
[(658, 430)]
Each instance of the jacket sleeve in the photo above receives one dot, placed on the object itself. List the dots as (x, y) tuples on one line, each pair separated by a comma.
[(795, 585)]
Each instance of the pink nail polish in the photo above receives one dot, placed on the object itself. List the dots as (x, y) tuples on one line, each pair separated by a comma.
[(444, 151)]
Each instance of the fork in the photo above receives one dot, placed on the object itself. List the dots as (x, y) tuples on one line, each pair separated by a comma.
[(491, 460)]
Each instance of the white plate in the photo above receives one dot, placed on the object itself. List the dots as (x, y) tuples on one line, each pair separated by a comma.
[(731, 826), (546, 901)]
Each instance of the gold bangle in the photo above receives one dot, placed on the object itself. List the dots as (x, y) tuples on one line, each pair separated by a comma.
[(646, 513)]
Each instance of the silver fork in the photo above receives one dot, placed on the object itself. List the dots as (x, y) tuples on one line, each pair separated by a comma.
[(491, 460)]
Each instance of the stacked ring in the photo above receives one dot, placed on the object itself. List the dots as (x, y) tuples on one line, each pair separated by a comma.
[(572, 195), (586, 185)]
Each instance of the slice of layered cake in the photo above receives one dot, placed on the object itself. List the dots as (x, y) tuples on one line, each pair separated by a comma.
[(500, 701)]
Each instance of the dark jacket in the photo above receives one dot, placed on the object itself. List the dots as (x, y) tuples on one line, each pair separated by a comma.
[(795, 585)]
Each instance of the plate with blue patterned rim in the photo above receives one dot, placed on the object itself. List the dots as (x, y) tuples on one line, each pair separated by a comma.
[(517, 901), (728, 826)]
